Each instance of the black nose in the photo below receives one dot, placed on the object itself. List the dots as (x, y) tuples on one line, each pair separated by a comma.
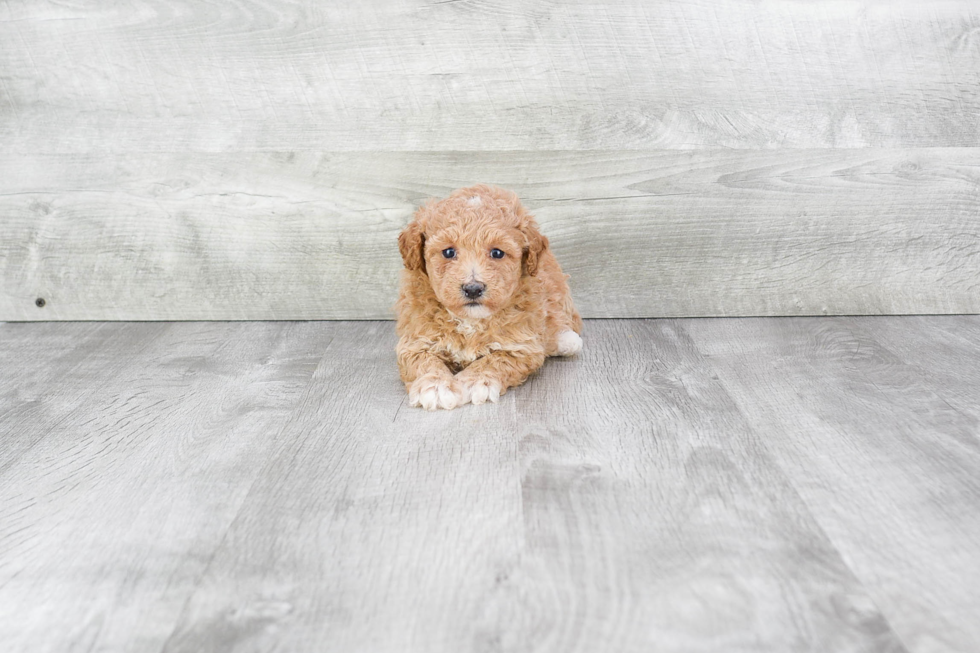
[(474, 289)]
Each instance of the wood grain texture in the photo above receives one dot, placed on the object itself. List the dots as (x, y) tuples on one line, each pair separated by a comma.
[(47, 374), (312, 235), (235, 159), (568, 525), (644, 488), (882, 449), (109, 519), (936, 354), (232, 75), (375, 526), (224, 495)]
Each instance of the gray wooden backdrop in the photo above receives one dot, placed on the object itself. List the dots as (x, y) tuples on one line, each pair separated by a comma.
[(192, 159)]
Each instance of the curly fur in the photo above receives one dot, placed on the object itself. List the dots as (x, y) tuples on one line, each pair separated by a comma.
[(454, 350)]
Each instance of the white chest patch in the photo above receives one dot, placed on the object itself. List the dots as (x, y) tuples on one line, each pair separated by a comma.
[(469, 328), (467, 352)]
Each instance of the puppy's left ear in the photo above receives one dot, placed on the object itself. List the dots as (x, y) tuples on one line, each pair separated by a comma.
[(411, 244), (536, 244)]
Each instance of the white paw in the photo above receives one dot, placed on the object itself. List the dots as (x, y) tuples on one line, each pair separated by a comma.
[(569, 343), (479, 391), (433, 393)]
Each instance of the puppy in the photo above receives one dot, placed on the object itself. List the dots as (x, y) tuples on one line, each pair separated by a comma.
[(483, 300)]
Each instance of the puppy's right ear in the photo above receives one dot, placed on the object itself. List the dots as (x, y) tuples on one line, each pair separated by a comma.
[(411, 243)]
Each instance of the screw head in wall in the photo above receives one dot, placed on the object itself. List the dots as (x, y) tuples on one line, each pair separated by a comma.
[(39, 302)]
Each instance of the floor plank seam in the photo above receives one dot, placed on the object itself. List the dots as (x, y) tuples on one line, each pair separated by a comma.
[(759, 440)]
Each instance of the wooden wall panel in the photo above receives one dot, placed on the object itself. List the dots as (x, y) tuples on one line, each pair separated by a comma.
[(311, 236), (240, 159), (225, 75)]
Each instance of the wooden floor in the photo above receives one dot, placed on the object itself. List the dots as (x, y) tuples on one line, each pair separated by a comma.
[(789, 484)]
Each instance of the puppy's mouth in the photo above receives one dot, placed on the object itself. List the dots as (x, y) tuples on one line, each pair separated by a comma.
[(476, 310)]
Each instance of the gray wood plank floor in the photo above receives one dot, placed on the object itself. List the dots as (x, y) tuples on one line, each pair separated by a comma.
[(769, 484)]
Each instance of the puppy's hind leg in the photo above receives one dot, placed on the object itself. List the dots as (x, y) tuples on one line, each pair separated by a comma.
[(563, 324), (564, 328), (568, 343)]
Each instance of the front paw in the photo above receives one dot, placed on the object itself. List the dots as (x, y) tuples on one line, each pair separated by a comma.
[(478, 390), (434, 392)]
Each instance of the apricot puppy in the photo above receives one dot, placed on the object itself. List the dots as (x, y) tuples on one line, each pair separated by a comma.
[(483, 300)]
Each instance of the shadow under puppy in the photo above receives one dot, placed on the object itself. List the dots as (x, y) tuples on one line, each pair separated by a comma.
[(483, 300)]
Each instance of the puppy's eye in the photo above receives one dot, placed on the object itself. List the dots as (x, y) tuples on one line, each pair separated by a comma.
[(496, 253), (449, 252)]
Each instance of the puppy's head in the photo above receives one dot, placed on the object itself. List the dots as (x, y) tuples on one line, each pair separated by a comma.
[(475, 247)]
